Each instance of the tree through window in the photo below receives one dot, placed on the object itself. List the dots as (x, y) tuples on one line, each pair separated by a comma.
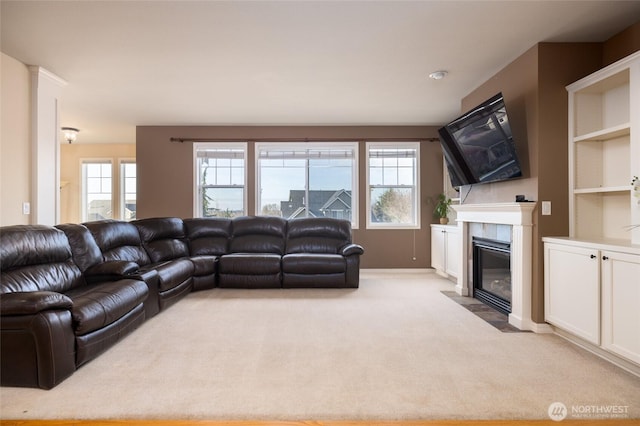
[(393, 185)]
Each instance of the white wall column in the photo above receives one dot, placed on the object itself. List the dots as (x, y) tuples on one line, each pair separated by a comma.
[(46, 90)]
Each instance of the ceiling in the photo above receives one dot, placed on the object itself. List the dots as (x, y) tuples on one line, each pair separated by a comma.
[(130, 63)]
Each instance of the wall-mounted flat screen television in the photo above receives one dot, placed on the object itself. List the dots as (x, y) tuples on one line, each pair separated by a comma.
[(478, 146)]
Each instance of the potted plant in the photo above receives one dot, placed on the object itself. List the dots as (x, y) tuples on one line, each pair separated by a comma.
[(442, 208)]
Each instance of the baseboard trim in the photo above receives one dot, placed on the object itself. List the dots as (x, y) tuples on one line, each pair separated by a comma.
[(399, 270), (607, 356)]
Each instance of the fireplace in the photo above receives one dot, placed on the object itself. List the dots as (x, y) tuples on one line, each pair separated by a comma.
[(519, 218), (492, 273)]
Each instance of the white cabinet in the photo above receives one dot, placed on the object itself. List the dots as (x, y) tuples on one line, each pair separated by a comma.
[(572, 290), (445, 243), (604, 152), (592, 291), (621, 304)]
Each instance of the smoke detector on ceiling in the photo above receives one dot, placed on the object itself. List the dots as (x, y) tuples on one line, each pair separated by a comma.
[(438, 75)]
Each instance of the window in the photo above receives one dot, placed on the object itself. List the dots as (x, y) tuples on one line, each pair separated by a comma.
[(127, 190), (307, 180), (220, 180), (393, 193), (97, 190)]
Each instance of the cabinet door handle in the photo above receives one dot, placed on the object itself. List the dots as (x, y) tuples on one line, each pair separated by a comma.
[(593, 256), (605, 257)]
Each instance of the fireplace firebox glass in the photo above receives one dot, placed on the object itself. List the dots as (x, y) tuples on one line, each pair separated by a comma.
[(492, 273)]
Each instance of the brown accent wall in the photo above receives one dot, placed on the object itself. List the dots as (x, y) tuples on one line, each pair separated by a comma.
[(534, 89), (166, 174), (518, 82), (622, 44)]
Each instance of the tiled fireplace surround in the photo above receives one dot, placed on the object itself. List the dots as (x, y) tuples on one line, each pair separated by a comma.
[(508, 222)]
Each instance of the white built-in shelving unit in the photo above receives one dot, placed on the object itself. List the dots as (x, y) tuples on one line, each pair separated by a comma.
[(604, 152), (592, 291)]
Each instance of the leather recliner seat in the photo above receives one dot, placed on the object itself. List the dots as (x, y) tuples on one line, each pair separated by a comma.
[(255, 252)]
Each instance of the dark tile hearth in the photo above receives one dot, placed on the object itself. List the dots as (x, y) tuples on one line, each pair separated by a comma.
[(487, 313)]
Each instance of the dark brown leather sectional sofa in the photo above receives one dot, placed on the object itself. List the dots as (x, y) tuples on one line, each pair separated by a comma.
[(69, 292)]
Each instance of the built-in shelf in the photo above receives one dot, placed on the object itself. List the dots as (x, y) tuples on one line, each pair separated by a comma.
[(605, 134), (604, 152), (600, 189)]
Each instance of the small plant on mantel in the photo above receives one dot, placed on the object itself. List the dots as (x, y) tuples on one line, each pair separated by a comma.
[(442, 208)]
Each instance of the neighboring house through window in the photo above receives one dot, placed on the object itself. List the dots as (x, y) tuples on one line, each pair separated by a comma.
[(307, 180)]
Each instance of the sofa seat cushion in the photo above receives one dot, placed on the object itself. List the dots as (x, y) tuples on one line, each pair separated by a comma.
[(173, 273), (301, 263), (204, 265), (96, 306), (249, 264)]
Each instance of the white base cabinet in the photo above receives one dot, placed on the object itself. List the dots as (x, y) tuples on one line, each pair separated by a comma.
[(445, 249), (621, 304), (572, 290), (592, 291)]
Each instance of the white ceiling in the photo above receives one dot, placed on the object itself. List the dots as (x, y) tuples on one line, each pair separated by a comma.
[(178, 62)]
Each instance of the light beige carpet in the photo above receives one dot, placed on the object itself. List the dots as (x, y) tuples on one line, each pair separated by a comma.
[(396, 348)]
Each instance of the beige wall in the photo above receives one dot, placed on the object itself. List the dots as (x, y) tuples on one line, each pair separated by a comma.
[(15, 141), (71, 156), (165, 179)]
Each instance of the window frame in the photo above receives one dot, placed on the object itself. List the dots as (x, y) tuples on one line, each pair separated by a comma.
[(353, 146), (83, 187), (123, 187), (416, 186), (203, 146)]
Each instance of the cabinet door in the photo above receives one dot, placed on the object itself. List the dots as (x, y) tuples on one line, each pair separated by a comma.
[(621, 304), (452, 251), (572, 290), (437, 248)]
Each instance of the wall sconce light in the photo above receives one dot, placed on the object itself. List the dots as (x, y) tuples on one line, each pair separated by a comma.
[(70, 133)]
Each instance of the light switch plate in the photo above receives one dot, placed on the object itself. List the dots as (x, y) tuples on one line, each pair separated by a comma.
[(546, 208)]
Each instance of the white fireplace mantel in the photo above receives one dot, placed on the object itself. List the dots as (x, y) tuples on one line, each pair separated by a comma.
[(520, 217), (499, 213)]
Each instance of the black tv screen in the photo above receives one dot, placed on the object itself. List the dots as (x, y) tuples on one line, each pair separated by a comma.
[(478, 146)]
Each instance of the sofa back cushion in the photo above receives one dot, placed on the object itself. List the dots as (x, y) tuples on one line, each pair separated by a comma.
[(317, 235), (84, 249), (36, 258), (208, 235), (118, 241), (163, 238), (258, 234)]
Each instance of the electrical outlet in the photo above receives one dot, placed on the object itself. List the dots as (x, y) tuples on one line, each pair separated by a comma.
[(546, 208), (26, 208)]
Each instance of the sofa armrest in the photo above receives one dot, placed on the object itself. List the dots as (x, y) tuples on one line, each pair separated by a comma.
[(151, 278), (110, 271), (37, 350), (352, 249), (29, 303)]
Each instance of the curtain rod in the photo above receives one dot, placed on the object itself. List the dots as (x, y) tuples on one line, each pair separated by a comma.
[(182, 140)]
